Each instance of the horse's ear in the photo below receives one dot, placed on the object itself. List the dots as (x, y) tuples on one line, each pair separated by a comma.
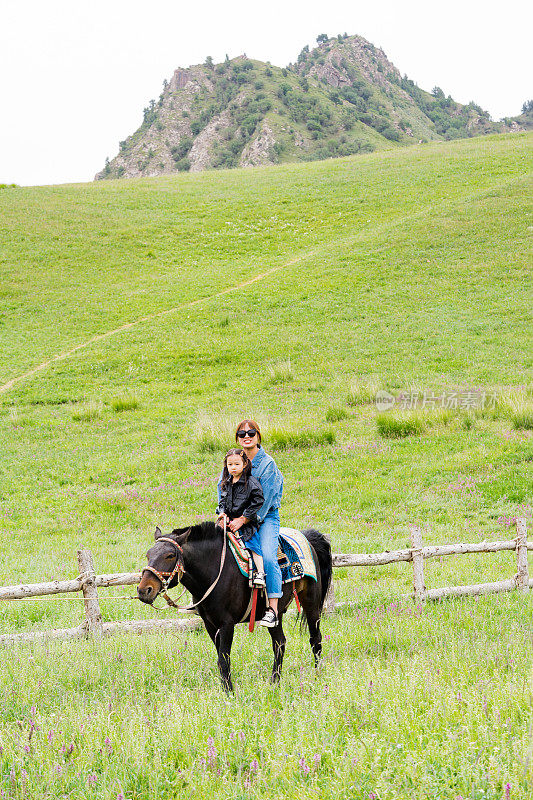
[(182, 534), (158, 533)]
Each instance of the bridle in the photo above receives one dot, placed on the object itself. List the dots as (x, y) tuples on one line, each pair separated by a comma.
[(166, 577)]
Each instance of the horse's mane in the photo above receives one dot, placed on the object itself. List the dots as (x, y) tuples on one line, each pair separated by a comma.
[(198, 533)]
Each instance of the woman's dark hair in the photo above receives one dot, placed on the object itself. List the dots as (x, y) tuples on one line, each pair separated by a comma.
[(248, 423), (235, 451)]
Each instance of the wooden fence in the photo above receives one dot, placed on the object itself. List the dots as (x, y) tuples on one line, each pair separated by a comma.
[(417, 553), (88, 583)]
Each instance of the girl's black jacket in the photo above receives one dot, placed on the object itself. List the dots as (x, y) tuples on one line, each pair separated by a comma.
[(242, 499)]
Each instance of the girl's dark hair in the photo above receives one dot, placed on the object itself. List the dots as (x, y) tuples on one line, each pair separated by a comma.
[(235, 451), (248, 423)]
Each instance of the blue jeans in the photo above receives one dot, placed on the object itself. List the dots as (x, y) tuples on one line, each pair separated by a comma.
[(265, 542)]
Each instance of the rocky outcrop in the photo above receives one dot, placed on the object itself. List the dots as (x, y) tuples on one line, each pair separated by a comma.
[(260, 151), (200, 155)]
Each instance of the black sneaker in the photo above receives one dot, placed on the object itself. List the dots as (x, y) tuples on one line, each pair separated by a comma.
[(270, 620)]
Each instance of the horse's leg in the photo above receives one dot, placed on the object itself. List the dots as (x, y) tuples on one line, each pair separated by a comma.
[(224, 637), (310, 601), (212, 631), (315, 637), (278, 645)]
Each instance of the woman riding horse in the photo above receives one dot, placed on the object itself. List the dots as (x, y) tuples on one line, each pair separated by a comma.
[(265, 540)]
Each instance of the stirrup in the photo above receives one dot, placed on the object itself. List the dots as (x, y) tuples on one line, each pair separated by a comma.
[(258, 580)]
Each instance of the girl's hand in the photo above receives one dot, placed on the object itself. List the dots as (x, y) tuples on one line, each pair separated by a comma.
[(235, 524), (221, 517)]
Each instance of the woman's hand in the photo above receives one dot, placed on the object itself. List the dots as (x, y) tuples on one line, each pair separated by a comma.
[(237, 523), (220, 519)]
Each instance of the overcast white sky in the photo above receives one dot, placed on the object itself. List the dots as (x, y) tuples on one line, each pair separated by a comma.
[(75, 76)]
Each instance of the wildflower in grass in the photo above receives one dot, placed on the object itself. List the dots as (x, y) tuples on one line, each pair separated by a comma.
[(303, 766), (92, 779), (507, 791), (121, 796), (247, 783), (50, 735), (316, 760), (108, 745), (254, 766), (211, 751)]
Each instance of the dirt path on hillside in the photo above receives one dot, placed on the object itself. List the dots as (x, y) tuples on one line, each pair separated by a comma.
[(352, 238), (100, 336)]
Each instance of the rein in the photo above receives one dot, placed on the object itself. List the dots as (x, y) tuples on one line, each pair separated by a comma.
[(166, 577)]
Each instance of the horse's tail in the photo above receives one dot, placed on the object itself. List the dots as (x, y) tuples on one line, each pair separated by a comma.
[(322, 547)]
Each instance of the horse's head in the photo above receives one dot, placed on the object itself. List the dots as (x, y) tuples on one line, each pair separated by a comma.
[(165, 565)]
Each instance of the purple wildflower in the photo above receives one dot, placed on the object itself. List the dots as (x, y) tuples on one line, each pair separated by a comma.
[(507, 791), (211, 751), (254, 766), (303, 766)]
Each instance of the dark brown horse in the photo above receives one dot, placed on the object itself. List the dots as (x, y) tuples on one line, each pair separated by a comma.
[(194, 556)]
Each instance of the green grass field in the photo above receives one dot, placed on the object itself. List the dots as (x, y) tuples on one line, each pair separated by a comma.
[(405, 270)]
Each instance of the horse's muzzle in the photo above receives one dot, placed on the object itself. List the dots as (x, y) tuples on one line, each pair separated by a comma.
[(146, 592)]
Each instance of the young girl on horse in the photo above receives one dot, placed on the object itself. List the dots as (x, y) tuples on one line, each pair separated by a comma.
[(265, 539), (241, 497)]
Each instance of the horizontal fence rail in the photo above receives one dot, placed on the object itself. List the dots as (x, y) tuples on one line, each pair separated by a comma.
[(88, 583)]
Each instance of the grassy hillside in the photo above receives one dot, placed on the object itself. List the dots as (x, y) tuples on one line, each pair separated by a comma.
[(405, 270)]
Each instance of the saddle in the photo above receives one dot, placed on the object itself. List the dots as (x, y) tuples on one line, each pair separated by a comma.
[(294, 556)]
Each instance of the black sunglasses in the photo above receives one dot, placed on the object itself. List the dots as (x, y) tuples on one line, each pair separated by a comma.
[(243, 434)]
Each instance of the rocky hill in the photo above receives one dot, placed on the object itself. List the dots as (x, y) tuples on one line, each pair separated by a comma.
[(340, 98)]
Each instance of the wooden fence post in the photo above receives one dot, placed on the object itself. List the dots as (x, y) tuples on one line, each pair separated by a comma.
[(330, 599), (522, 578), (418, 563), (93, 618)]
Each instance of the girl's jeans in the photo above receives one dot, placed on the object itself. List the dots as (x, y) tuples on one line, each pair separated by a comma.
[(265, 542)]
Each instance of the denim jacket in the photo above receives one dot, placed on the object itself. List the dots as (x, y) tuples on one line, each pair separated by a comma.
[(265, 470)]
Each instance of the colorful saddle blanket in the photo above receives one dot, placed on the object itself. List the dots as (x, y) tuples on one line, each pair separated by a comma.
[(294, 555)]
